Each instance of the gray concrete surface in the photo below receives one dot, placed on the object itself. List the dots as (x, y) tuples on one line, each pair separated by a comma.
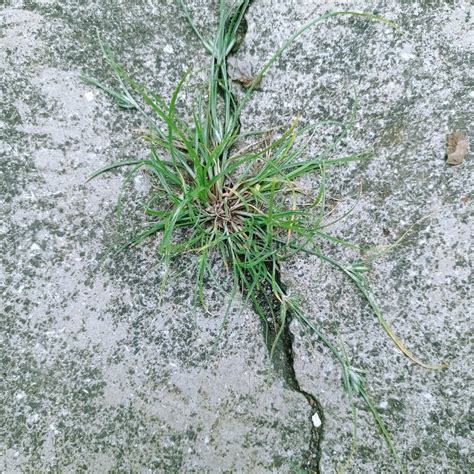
[(413, 89), (99, 376)]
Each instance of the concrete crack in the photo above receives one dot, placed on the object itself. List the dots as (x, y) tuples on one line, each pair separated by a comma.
[(314, 452), (283, 362), (283, 357)]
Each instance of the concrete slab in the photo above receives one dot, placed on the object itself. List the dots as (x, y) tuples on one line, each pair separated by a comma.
[(414, 88), (98, 374), (101, 375)]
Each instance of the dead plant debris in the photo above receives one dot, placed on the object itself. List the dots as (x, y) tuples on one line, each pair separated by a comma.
[(458, 145)]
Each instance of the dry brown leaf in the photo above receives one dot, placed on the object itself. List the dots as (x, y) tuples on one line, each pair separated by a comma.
[(247, 81), (458, 145), (241, 72)]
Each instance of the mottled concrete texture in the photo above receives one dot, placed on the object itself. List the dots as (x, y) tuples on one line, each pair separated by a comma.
[(99, 375)]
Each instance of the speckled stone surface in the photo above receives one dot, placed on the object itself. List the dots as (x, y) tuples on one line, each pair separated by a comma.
[(413, 89), (97, 374), (101, 375)]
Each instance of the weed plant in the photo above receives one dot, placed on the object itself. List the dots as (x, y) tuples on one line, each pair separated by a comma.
[(211, 195)]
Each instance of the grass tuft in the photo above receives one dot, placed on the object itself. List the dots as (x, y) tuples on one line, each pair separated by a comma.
[(213, 196)]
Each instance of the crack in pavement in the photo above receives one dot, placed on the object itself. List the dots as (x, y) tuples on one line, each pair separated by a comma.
[(283, 358), (283, 363), (314, 449)]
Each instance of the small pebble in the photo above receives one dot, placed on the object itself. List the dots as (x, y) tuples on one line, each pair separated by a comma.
[(316, 420)]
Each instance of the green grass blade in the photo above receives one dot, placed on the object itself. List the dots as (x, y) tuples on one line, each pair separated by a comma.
[(113, 166)]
